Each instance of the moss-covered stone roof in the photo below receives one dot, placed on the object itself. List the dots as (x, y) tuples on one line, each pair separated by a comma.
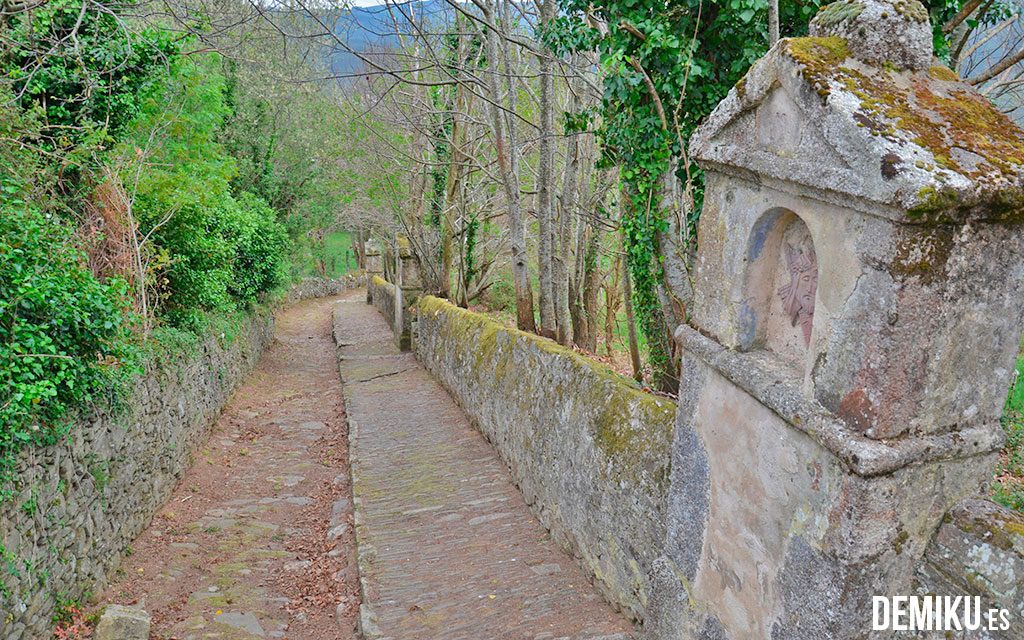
[(960, 128), (920, 140)]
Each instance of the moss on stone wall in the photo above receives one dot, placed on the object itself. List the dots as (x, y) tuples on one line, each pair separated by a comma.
[(589, 448), (631, 422)]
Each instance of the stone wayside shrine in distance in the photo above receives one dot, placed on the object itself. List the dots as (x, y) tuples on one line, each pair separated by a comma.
[(859, 291)]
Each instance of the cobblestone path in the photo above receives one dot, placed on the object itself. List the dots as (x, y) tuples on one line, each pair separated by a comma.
[(256, 541), (447, 547)]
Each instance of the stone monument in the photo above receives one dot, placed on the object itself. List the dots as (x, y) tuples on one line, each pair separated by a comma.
[(859, 291)]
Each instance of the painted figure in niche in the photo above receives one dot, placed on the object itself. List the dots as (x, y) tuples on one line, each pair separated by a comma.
[(798, 295)]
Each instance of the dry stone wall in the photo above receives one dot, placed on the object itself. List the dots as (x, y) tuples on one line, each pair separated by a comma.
[(323, 287), (86, 498), (589, 450), (381, 294)]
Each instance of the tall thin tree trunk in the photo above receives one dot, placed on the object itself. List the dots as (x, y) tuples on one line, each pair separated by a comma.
[(773, 22), (453, 189), (627, 299), (508, 166), (577, 283), (545, 178), (359, 248), (591, 282), (563, 240), (612, 300)]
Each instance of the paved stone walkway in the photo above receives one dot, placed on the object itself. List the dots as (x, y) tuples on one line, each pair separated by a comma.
[(447, 547), (256, 541)]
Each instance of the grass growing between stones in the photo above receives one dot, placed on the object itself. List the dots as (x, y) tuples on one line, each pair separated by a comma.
[(1008, 487)]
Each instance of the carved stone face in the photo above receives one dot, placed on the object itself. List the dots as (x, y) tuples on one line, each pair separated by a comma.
[(798, 294)]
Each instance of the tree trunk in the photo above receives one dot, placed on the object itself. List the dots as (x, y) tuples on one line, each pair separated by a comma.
[(577, 314), (508, 166), (612, 300), (591, 283), (359, 247), (627, 299), (545, 176), (563, 238), (676, 291)]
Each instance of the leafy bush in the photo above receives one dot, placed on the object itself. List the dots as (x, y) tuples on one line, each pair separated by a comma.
[(64, 340), (80, 68), (259, 244), (221, 250), (501, 295)]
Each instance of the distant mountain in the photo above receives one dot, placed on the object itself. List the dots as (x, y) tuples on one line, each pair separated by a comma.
[(374, 29)]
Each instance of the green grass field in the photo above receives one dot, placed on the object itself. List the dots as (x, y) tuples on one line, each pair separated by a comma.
[(339, 258)]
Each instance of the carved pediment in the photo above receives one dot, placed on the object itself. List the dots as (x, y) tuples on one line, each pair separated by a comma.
[(778, 126), (811, 116)]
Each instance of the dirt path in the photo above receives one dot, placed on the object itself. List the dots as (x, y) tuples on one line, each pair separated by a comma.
[(256, 541)]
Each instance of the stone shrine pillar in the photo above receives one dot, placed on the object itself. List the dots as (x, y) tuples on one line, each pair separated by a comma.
[(859, 290), (408, 289), (374, 262)]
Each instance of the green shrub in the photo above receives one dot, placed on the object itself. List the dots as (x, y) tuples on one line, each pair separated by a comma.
[(222, 250), (93, 81), (63, 335), (198, 253), (501, 295), (259, 244)]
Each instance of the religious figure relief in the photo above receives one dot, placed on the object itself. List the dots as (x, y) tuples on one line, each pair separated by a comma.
[(798, 295)]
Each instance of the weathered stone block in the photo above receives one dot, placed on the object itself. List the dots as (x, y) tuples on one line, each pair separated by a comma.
[(123, 623), (979, 551)]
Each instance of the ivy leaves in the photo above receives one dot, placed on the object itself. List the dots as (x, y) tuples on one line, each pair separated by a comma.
[(64, 340), (664, 67), (77, 66)]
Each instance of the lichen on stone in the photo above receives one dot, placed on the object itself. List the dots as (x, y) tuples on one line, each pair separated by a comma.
[(836, 12), (950, 122), (944, 73), (741, 87)]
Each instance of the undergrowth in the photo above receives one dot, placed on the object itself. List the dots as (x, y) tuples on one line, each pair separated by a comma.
[(1008, 487)]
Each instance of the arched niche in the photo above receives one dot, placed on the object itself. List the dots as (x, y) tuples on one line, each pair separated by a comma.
[(781, 285)]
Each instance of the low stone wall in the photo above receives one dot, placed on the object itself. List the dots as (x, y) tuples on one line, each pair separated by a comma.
[(979, 551), (381, 294), (86, 498), (589, 450), (321, 287)]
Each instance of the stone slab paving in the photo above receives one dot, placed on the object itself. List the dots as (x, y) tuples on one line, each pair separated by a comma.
[(447, 547)]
